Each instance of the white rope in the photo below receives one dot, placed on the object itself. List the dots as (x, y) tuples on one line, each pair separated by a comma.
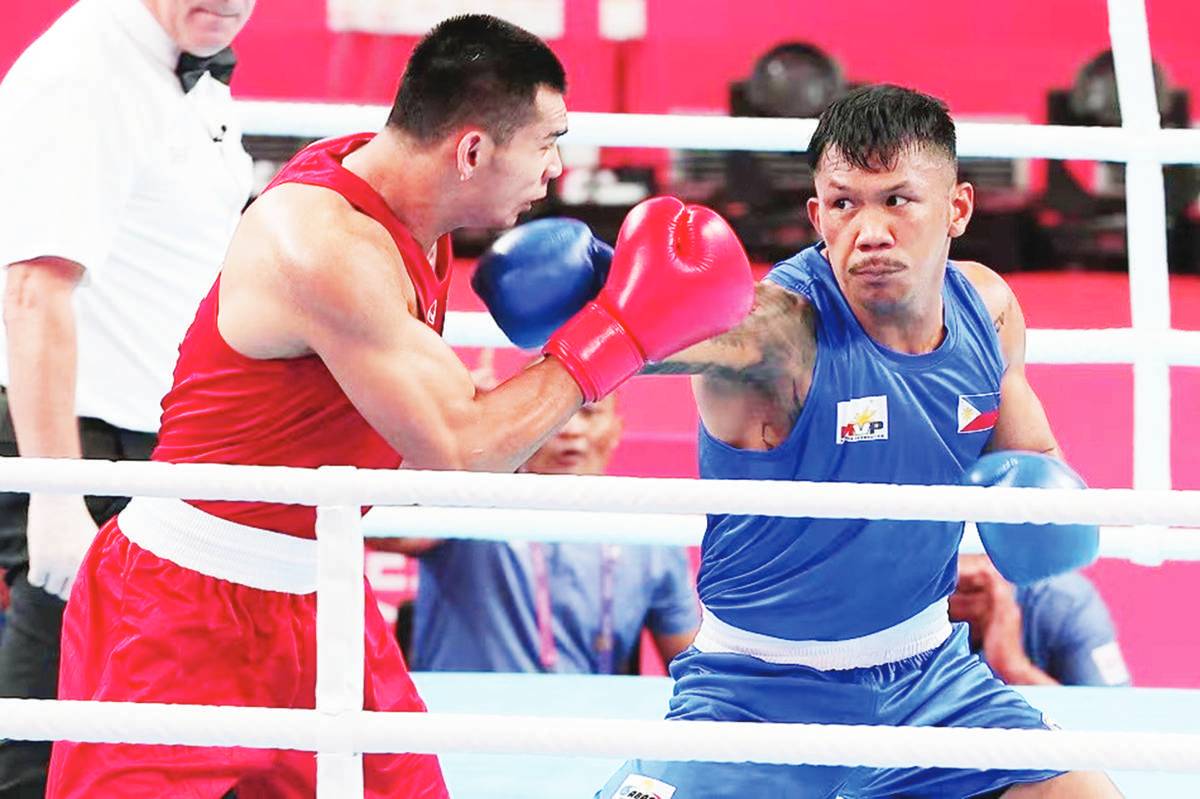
[(506, 524), (1104, 345), (678, 131), (367, 732), (1114, 345), (341, 486), (474, 329), (687, 530)]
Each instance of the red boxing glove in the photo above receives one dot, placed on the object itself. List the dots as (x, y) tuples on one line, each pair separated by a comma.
[(679, 275)]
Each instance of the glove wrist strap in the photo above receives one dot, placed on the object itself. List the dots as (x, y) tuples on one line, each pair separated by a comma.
[(597, 351)]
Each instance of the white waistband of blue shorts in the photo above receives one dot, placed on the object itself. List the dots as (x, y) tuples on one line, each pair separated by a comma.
[(189, 537), (919, 633)]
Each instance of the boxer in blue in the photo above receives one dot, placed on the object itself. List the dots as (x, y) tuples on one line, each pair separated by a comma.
[(870, 358)]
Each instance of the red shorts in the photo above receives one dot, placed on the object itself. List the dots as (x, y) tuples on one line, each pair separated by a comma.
[(142, 629)]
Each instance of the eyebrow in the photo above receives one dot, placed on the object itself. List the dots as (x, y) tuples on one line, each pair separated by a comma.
[(903, 184), (554, 134)]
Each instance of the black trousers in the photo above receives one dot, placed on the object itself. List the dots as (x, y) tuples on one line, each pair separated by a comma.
[(29, 646)]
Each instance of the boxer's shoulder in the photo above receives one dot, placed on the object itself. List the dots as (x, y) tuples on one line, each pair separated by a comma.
[(312, 232), (311, 215), (308, 252), (992, 288)]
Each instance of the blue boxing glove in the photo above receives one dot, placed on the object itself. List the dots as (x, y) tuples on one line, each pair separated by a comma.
[(1025, 553), (537, 276)]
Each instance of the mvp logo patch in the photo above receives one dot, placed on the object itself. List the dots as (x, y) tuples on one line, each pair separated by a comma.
[(862, 419), (639, 786)]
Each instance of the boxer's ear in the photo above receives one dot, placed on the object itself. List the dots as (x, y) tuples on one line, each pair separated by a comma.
[(473, 151)]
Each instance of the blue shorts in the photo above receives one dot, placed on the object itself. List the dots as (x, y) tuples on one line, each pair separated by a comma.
[(945, 687)]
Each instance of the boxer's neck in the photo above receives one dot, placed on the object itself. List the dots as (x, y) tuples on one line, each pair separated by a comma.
[(411, 180)]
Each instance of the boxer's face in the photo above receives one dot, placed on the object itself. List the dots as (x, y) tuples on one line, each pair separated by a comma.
[(888, 230), (201, 27), (584, 445), (520, 170)]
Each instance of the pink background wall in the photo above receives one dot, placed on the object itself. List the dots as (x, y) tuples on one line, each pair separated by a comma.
[(983, 58)]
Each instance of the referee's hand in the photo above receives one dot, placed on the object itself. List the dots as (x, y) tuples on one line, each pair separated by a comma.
[(59, 532)]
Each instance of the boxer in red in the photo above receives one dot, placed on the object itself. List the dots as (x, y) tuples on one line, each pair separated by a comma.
[(319, 344)]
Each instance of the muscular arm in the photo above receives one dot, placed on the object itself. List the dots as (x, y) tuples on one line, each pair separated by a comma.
[(416, 393), (340, 290), (1022, 423), (42, 354), (751, 382), (777, 333)]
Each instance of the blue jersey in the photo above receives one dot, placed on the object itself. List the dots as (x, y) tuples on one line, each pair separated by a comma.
[(476, 605), (872, 415)]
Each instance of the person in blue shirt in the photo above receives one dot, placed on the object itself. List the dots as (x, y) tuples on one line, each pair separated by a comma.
[(551, 607), (1055, 631), (868, 358)]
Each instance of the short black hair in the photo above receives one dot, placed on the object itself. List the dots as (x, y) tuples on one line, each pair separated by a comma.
[(873, 125), (474, 69)]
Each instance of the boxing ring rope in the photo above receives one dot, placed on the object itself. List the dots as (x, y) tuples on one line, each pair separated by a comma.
[(1101, 345), (345, 486), (1147, 546), (698, 132), (339, 730), (816, 744), (579, 508)]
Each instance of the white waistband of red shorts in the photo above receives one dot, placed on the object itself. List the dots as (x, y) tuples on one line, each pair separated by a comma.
[(189, 537), (922, 632)]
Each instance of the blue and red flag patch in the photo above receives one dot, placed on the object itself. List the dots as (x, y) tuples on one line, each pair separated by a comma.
[(978, 412)]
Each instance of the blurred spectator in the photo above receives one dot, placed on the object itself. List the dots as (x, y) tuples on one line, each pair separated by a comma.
[(550, 607), (1052, 632), (124, 181)]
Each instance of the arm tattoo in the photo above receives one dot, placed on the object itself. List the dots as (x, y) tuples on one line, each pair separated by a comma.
[(998, 322), (777, 336)]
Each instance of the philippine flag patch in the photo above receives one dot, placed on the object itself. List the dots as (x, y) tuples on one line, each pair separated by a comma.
[(978, 412)]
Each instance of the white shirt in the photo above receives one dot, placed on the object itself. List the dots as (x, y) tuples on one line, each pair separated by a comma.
[(106, 162)]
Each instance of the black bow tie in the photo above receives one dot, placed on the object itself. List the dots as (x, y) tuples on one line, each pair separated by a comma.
[(191, 67)]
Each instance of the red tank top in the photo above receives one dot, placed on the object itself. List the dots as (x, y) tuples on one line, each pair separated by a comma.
[(227, 408)]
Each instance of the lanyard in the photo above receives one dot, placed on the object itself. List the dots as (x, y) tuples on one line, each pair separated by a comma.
[(605, 642), (605, 639), (547, 652)]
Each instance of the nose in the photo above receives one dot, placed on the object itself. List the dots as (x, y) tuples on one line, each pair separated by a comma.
[(555, 167), (874, 232), (574, 428)]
